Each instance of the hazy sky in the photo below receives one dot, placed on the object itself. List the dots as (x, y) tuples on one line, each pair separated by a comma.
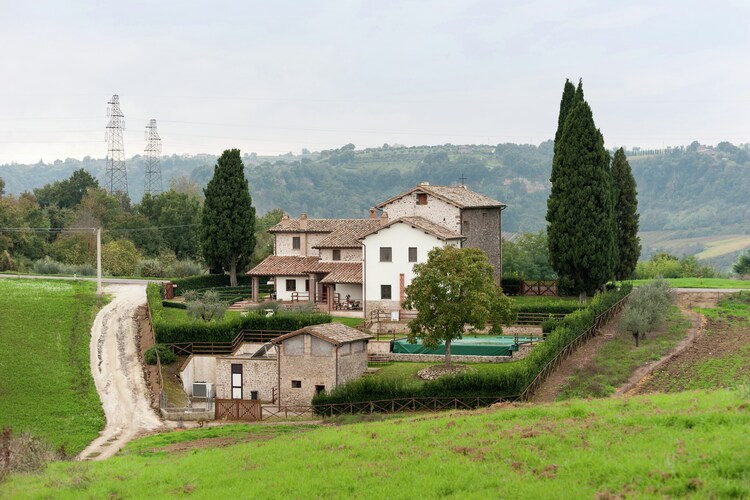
[(279, 76)]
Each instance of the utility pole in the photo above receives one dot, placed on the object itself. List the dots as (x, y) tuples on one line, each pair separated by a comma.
[(153, 168), (99, 262), (116, 179)]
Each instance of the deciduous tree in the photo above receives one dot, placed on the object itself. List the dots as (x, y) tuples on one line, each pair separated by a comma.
[(228, 223), (454, 288)]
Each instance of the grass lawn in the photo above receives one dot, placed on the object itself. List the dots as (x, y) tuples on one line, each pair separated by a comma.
[(47, 388), (175, 315), (687, 444), (619, 358), (700, 283), (407, 371), (353, 322)]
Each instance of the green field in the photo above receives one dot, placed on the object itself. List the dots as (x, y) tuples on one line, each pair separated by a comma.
[(47, 388), (618, 358), (700, 283), (692, 443)]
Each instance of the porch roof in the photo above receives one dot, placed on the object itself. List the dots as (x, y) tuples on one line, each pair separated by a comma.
[(342, 272), (284, 265)]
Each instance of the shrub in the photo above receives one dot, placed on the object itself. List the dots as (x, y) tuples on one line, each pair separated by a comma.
[(51, 266), (173, 305), (24, 453), (120, 257), (511, 285), (226, 331), (185, 268), (551, 306), (165, 354)]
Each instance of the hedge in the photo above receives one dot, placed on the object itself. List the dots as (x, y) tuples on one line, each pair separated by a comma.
[(505, 383), (207, 281), (551, 307), (226, 331), (154, 299)]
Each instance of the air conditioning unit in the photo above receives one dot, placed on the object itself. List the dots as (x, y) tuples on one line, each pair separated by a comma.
[(203, 390)]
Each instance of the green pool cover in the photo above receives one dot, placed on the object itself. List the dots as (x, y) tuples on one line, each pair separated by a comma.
[(471, 346)]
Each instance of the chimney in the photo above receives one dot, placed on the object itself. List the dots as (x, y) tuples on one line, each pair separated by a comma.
[(383, 218), (423, 183), (303, 221), (373, 213), (285, 221)]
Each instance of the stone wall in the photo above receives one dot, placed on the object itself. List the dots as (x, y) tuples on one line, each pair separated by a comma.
[(347, 255), (353, 364), (258, 374), (481, 227), (436, 210), (309, 370)]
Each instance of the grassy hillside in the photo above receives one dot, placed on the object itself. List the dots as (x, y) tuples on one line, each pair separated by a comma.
[(689, 443), (47, 388)]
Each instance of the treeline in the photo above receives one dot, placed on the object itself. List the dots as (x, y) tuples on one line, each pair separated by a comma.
[(698, 190), (50, 230)]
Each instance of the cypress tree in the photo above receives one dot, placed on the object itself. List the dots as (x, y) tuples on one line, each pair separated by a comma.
[(626, 215), (580, 210), (228, 222), (566, 102)]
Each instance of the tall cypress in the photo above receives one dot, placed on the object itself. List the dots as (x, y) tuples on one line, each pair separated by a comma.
[(566, 102), (580, 209), (228, 222), (626, 215)]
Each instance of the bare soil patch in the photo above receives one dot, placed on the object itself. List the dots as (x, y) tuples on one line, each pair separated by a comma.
[(551, 387)]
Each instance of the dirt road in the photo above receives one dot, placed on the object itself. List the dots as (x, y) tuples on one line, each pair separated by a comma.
[(118, 374)]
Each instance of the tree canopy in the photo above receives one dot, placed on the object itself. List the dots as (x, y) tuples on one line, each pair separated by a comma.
[(228, 223), (742, 265), (580, 208), (626, 216), (454, 288)]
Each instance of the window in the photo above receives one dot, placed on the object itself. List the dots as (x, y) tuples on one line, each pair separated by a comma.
[(236, 381), (385, 292), (385, 254), (412, 254), (307, 285), (336, 254), (421, 198), (296, 384), (319, 389), (291, 285), (295, 242), (254, 395)]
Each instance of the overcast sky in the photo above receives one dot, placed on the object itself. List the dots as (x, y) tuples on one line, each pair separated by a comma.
[(279, 76)]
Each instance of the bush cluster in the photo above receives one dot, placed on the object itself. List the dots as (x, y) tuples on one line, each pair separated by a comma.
[(506, 383), (48, 265), (226, 331), (551, 306), (166, 355), (165, 267)]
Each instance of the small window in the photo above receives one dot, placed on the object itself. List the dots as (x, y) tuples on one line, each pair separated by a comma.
[(385, 254), (295, 242), (254, 395), (412, 254), (336, 254), (307, 285), (296, 384), (421, 198), (319, 389), (291, 285), (236, 381), (385, 292)]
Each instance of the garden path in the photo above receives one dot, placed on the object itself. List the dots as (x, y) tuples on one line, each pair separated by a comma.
[(118, 373)]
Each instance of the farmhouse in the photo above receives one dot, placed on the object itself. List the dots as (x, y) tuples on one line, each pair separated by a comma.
[(288, 371), (365, 264)]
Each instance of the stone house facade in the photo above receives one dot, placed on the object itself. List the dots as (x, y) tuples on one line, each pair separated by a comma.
[(318, 358)]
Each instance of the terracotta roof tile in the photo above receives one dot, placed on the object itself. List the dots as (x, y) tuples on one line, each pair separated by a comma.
[(423, 224), (344, 272), (460, 196), (284, 265), (335, 333)]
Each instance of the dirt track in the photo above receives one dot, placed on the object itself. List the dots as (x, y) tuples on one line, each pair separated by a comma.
[(118, 373)]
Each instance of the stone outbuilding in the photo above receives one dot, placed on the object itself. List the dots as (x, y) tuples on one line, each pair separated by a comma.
[(318, 358)]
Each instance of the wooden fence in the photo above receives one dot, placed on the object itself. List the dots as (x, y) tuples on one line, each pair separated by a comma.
[(539, 287), (238, 409), (222, 348), (566, 351)]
